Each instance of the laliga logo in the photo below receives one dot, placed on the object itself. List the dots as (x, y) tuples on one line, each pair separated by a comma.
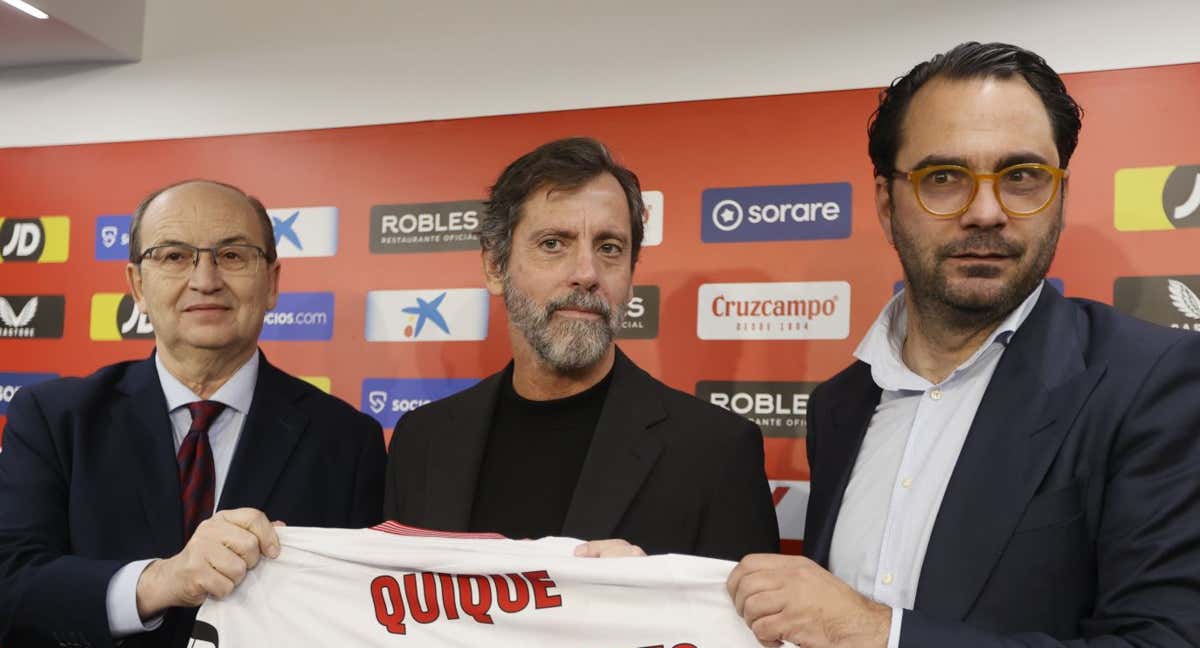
[(377, 401)]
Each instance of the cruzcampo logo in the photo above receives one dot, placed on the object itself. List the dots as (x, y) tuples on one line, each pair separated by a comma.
[(1157, 198)]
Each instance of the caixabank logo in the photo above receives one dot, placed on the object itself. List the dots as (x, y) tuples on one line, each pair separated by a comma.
[(776, 213), (641, 314), (1171, 301), (116, 316), (387, 399), (791, 507), (436, 315), (11, 383), (305, 231), (1157, 198), (779, 408), (814, 310), (43, 240), (32, 316), (300, 316), (112, 237), (426, 227)]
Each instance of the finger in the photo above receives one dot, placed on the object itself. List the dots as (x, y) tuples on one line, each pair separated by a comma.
[(770, 630), (215, 584), (278, 523), (227, 563), (256, 522), (241, 542), (752, 584), (763, 604), (614, 548)]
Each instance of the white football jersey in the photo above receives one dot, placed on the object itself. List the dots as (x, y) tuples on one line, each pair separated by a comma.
[(396, 586)]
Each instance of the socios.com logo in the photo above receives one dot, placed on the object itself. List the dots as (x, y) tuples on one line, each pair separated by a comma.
[(1157, 198), (300, 316), (387, 399), (11, 383), (305, 231), (115, 316), (776, 213), (112, 238), (42, 240), (437, 315)]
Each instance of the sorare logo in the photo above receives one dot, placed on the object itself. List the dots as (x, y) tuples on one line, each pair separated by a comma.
[(300, 316), (436, 315), (1169, 301), (112, 237), (11, 383), (1157, 198), (641, 315), (116, 316), (32, 316), (776, 213), (426, 227), (388, 399), (305, 231), (779, 408), (42, 240), (814, 310)]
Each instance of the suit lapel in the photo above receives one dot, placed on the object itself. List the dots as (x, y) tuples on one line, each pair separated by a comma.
[(1037, 389), (141, 420), (271, 430), (456, 455), (850, 416), (621, 454)]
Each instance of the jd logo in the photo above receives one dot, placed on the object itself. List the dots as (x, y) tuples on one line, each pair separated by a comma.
[(132, 321), (1181, 196), (23, 241)]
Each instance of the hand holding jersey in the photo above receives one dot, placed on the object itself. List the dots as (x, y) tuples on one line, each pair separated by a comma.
[(791, 598), (212, 564)]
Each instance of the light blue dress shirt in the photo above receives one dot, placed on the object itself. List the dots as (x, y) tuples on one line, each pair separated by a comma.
[(236, 394), (906, 459)]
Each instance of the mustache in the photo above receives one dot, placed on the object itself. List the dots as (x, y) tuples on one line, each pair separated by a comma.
[(982, 243), (589, 302)]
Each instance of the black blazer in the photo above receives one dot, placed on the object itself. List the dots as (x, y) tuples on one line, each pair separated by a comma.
[(665, 470), (88, 483), (1074, 509)]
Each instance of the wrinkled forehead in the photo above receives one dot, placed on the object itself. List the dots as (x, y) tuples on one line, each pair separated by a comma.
[(201, 214), (977, 122), (596, 207)]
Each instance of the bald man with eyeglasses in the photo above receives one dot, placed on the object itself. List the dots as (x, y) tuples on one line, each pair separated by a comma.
[(1002, 467), (130, 496)]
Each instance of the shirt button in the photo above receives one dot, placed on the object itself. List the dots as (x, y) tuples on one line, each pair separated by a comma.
[(907, 483), (936, 394), (887, 579)]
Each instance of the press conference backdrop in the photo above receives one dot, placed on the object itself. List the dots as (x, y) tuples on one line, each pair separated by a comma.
[(764, 263)]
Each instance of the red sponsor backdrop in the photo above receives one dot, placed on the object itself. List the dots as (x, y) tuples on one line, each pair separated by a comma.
[(1134, 118)]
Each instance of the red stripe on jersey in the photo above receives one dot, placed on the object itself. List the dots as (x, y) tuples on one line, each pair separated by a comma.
[(395, 528)]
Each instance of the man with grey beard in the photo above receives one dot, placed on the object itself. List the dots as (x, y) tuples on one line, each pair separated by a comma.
[(572, 438)]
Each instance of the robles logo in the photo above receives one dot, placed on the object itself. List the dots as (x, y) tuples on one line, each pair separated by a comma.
[(776, 213), (426, 227), (817, 310), (44, 240), (300, 316), (779, 408), (641, 315), (388, 399)]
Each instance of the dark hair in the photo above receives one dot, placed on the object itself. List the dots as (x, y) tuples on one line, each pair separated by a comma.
[(562, 164), (966, 61), (135, 227)]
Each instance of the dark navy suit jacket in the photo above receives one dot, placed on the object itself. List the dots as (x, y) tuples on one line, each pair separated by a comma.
[(1072, 517), (88, 483)]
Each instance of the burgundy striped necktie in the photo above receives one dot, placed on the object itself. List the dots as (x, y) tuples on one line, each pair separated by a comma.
[(197, 474)]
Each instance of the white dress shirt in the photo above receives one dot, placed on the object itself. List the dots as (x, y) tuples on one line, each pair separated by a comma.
[(907, 456), (236, 394)]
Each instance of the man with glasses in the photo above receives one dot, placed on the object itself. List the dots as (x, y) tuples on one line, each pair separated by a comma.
[(1002, 466), (108, 484)]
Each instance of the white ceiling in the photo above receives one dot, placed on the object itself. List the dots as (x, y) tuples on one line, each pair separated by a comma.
[(78, 31)]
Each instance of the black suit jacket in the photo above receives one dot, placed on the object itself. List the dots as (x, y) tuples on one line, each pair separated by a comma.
[(664, 471), (89, 482), (1073, 514)]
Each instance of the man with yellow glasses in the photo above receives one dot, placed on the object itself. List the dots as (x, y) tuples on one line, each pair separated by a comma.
[(1001, 466)]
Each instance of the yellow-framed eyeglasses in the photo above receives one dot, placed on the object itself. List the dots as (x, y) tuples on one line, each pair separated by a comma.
[(947, 190)]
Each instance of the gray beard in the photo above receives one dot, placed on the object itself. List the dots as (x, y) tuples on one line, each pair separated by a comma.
[(567, 346)]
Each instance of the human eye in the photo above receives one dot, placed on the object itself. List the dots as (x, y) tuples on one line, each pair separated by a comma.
[(550, 244), (611, 249)]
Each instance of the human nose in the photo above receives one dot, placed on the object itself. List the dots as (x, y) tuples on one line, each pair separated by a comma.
[(985, 209), (206, 276)]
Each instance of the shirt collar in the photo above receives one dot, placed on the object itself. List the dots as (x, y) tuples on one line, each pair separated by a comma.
[(882, 347), (236, 393)]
